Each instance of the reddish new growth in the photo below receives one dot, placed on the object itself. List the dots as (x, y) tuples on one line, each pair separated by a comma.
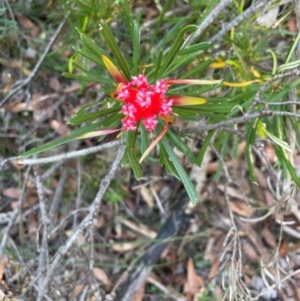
[(143, 102)]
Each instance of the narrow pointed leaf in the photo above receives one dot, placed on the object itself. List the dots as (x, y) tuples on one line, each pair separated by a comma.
[(89, 55), (136, 47), (194, 48), (136, 167), (189, 187), (98, 133), (80, 118), (249, 141), (155, 142), (205, 146), (197, 69), (176, 47), (85, 78), (176, 140), (278, 141), (113, 70), (180, 100), (144, 139), (281, 155), (165, 161), (72, 136), (158, 63), (193, 81), (112, 44), (242, 84), (91, 45)]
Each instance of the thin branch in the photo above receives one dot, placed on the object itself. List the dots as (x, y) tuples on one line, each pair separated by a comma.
[(78, 196), (58, 193), (208, 20), (63, 156), (246, 14), (27, 81), (15, 213), (94, 208)]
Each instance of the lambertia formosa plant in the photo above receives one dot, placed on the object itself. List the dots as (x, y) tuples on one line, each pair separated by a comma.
[(141, 104)]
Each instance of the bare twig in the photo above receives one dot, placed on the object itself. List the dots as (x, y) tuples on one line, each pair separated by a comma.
[(15, 213), (246, 14), (209, 19), (85, 223), (25, 82), (78, 196), (58, 193), (63, 156)]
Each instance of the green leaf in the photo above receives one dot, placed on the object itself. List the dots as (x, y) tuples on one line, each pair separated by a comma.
[(197, 69), (134, 163), (219, 107), (82, 5), (165, 161), (223, 137), (72, 136), (78, 119), (92, 46), (131, 138), (176, 140), (136, 47), (112, 119), (112, 44), (179, 62), (249, 141), (205, 146), (85, 78), (195, 48), (158, 63), (173, 52), (189, 187), (172, 33), (278, 141), (278, 96), (283, 159), (159, 22), (89, 55), (144, 139), (292, 50)]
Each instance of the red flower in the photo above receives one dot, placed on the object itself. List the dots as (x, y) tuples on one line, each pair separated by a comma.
[(145, 103)]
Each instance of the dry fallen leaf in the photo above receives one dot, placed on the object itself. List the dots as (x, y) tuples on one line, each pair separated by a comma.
[(28, 24), (124, 247), (102, 276), (78, 289), (250, 251), (13, 193), (269, 238), (80, 241), (138, 228), (193, 282), (140, 293), (55, 85), (147, 196), (59, 127), (3, 261), (214, 268), (2, 295)]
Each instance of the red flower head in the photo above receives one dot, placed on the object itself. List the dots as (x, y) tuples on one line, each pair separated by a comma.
[(145, 103)]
